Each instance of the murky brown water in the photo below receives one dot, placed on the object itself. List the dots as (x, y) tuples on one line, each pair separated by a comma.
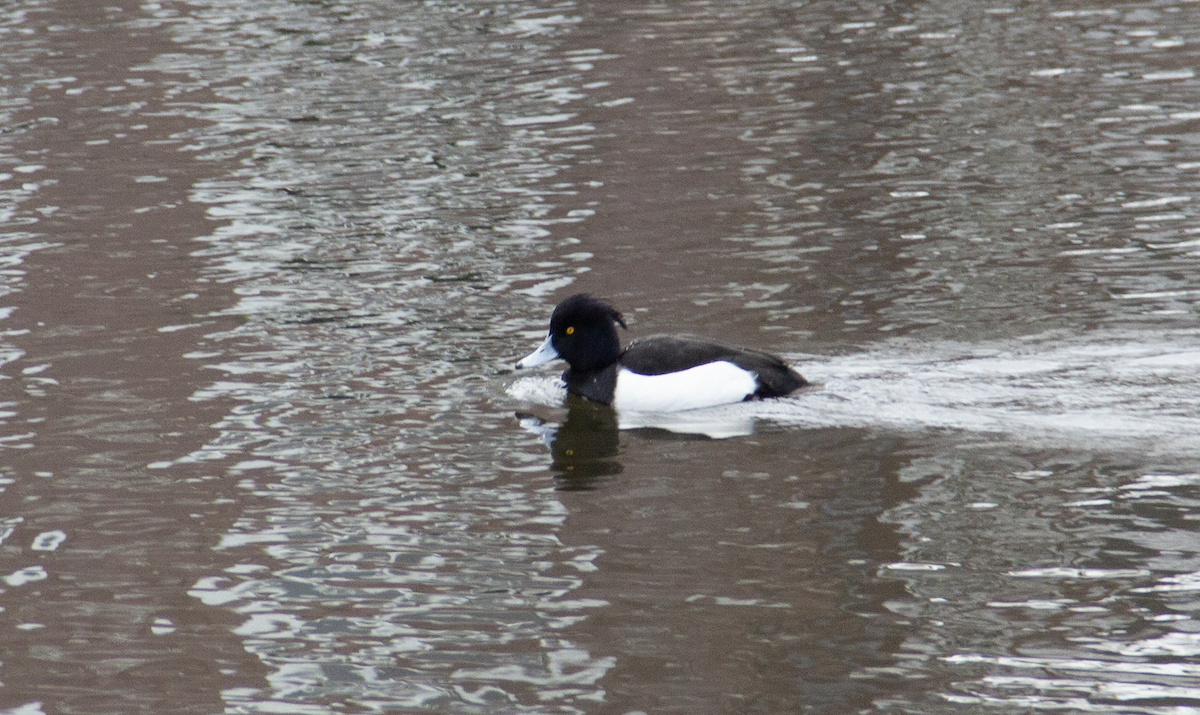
[(266, 267)]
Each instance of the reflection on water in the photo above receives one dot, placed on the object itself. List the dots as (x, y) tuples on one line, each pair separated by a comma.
[(266, 266), (584, 447)]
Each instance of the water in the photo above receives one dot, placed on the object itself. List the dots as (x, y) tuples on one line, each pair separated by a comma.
[(266, 268)]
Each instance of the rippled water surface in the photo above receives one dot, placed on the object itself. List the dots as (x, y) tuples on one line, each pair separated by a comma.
[(265, 268)]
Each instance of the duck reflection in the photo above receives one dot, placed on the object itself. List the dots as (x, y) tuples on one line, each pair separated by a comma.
[(584, 447)]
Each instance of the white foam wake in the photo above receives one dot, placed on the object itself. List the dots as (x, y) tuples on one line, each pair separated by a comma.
[(1121, 388)]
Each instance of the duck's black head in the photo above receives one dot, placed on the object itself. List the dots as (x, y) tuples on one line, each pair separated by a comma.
[(583, 331)]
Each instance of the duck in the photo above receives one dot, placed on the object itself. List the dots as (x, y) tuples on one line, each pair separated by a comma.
[(660, 373)]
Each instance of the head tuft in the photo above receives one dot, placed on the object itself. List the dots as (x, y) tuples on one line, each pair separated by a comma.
[(582, 307)]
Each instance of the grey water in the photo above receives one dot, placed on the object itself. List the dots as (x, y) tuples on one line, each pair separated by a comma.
[(266, 268)]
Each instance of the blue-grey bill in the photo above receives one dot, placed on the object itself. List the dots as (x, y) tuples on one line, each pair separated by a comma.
[(544, 354)]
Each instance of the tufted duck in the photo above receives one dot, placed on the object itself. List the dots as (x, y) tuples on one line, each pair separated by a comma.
[(661, 373)]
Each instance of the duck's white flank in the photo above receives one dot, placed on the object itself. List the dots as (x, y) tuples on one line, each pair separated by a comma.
[(714, 383)]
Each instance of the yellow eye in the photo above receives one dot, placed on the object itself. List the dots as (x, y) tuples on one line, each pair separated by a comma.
[(570, 331)]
